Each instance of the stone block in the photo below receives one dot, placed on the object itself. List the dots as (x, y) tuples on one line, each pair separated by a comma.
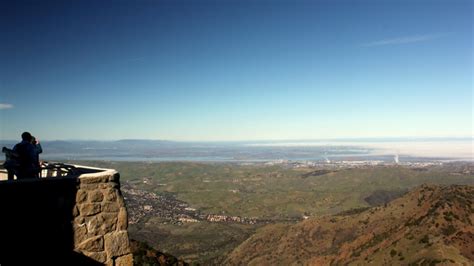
[(109, 223), (88, 209), (116, 244), (88, 187), (80, 233), (122, 219), (93, 244), (96, 196), (79, 220), (97, 256), (102, 224), (120, 199), (93, 226), (110, 207), (81, 196), (126, 260), (110, 194), (109, 185), (75, 211)]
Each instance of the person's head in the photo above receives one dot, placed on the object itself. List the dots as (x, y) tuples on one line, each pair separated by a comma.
[(33, 139), (26, 136)]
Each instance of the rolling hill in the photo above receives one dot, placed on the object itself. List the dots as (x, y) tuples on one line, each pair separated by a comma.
[(429, 225)]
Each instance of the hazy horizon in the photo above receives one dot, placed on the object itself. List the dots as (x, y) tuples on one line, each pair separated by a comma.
[(136, 149), (339, 139)]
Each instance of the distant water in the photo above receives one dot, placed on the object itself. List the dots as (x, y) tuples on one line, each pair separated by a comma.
[(322, 150), (445, 148)]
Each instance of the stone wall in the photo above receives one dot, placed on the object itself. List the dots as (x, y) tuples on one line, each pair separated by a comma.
[(100, 219), (68, 220)]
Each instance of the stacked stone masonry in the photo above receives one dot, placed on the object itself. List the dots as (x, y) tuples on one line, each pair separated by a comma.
[(100, 219)]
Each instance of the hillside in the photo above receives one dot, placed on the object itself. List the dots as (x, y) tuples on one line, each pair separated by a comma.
[(143, 254), (266, 194), (431, 224)]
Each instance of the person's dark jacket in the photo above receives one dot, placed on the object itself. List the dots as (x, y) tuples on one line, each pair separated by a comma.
[(38, 150), (26, 159)]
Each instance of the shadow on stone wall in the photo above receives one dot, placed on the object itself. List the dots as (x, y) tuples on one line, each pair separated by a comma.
[(35, 222)]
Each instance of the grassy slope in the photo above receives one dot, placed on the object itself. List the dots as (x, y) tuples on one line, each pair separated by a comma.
[(431, 224), (199, 242)]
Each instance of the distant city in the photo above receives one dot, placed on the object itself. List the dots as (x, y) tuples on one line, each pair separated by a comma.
[(355, 152)]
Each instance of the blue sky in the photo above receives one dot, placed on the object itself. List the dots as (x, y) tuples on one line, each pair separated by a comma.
[(236, 70)]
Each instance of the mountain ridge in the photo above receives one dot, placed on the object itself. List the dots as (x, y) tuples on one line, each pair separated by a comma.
[(430, 224)]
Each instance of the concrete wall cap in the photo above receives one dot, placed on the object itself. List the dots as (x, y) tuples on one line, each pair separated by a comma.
[(100, 171)]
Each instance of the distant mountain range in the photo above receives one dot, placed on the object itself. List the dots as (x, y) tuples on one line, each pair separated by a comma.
[(311, 150), (429, 225)]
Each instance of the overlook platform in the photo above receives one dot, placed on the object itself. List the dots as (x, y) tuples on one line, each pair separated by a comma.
[(55, 169), (72, 215)]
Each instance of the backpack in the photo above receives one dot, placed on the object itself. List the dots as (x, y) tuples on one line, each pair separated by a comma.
[(11, 158)]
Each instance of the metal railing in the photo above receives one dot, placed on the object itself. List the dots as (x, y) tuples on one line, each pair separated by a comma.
[(50, 170), (54, 169)]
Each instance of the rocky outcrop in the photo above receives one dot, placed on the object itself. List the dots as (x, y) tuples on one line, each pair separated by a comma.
[(100, 219)]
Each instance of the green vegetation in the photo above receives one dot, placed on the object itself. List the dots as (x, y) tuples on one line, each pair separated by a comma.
[(266, 192), (145, 255), (449, 230), (193, 242), (353, 211), (425, 239), (393, 252), (273, 191)]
